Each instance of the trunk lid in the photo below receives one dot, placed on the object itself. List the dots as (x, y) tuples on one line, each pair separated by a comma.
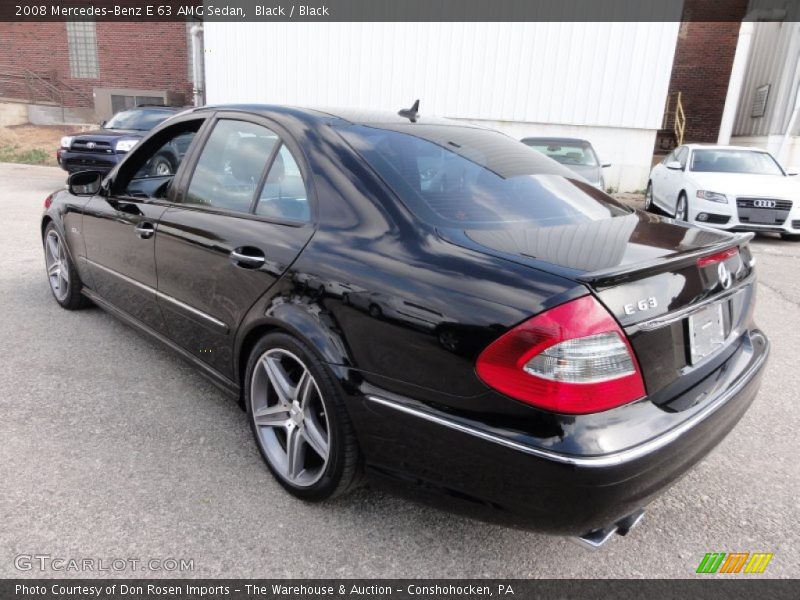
[(652, 274), (624, 259)]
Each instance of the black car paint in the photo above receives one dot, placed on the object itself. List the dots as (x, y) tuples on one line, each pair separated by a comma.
[(363, 238)]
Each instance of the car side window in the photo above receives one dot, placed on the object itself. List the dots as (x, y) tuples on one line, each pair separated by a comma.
[(151, 166), (230, 166), (167, 158), (284, 194)]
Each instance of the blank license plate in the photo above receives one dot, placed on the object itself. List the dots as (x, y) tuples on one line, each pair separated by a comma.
[(706, 331)]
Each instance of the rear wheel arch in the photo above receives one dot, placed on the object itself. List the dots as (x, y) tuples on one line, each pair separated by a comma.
[(245, 348), (336, 440), (297, 323)]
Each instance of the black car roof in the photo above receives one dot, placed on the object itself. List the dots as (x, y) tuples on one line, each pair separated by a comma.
[(343, 115), (154, 108)]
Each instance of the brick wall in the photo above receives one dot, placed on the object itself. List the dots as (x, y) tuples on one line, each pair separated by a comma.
[(130, 55), (702, 66)]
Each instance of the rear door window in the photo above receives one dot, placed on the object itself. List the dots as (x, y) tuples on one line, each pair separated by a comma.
[(284, 194)]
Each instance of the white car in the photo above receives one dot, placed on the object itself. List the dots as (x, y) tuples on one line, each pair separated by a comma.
[(727, 187)]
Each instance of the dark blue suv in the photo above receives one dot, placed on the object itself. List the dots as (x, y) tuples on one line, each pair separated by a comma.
[(102, 149)]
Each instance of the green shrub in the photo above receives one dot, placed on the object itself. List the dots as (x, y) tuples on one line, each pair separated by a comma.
[(36, 156)]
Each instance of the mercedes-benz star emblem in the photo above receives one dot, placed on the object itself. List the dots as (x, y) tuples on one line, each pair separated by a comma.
[(724, 276)]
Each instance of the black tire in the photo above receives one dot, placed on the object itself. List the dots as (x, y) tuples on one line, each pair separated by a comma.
[(375, 311), (648, 197), (73, 299), (342, 471), (682, 215), (791, 237), (161, 166)]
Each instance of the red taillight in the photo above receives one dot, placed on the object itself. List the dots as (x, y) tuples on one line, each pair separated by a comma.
[(717, 257), (573, 359), (48, 201)]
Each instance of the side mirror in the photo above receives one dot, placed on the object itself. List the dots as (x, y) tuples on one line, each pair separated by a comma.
[(674, 165), (103, 124), (605, 165), (84, 183)]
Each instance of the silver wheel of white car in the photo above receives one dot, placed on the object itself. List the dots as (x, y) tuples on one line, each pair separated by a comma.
[(648, 197), (682, 208)]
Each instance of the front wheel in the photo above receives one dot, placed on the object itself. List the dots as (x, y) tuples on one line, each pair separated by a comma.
[(299, 420), (682, 208), (61, 273)]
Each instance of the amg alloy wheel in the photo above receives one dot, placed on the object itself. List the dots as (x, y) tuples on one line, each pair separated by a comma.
[(298, 419), (61, 274)]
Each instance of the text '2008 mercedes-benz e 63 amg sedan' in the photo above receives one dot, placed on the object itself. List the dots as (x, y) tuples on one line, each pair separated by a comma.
[(433, 305)]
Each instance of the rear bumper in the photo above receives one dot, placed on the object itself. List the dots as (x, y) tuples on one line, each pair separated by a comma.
[(522, 481)]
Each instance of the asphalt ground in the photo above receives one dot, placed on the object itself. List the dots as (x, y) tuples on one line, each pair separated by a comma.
[(110, 446)]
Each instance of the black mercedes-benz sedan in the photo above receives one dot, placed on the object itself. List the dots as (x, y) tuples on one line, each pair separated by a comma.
[(426, 303)]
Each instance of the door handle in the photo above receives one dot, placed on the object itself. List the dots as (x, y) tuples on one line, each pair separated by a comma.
[(145, 230), (250, 258)]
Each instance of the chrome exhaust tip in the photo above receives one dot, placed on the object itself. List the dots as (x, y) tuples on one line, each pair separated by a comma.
[(596, 538)]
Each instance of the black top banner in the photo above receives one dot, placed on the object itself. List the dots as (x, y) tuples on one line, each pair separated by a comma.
[(399, 10)]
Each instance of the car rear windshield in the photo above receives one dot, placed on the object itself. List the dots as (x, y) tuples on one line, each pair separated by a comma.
[(734, 161), (140, 120), (467, 177), (567, 153)]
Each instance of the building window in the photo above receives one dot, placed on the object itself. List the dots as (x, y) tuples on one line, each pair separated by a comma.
[(120, 102), (82, 41)]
